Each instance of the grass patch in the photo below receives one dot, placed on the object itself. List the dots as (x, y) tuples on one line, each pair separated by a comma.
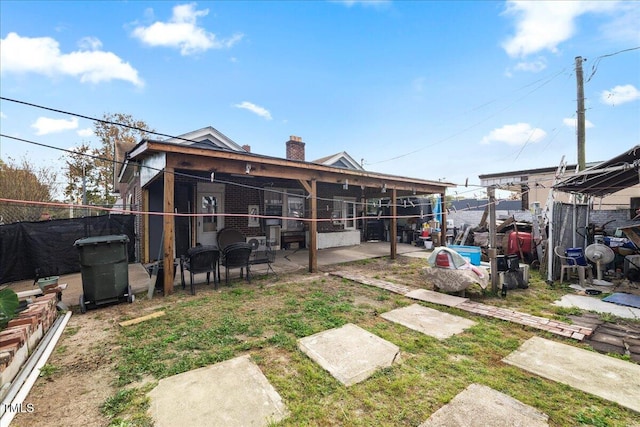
[(128, 408), (48, 370), (267, 321)]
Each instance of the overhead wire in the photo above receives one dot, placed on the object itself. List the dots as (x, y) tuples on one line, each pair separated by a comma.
[(205, 179), (544, 82)]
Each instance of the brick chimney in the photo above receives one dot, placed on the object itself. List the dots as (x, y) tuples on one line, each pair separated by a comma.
[(246, 148), (295, 148)]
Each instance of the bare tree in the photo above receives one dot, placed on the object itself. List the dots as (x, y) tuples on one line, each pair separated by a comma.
[(92, 173), (24, 182)]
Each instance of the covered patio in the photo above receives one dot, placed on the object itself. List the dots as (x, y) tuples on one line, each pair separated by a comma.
[(172, 179)]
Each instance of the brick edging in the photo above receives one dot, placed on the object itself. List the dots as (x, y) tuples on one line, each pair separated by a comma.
[(562, 329)]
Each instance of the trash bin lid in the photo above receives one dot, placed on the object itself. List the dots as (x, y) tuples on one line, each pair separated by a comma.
[(97, 240)]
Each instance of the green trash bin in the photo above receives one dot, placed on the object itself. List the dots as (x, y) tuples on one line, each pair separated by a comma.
[(104, 266)]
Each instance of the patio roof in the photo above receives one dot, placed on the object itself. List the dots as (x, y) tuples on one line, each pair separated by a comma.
[(195, 157), (608, 177)]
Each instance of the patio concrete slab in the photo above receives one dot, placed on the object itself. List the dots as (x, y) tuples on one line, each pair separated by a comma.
[(230, 393), (481, 406), (603, 376), (599, 306), (428, 321), (349, 353), (436, 297)]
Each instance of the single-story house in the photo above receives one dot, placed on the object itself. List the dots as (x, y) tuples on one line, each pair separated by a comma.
[(190, 187)]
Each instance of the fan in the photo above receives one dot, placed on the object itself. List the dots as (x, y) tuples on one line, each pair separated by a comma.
[(601, 255), (255, 244)]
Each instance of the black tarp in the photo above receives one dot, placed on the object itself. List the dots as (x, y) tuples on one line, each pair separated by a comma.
[(45, 248)]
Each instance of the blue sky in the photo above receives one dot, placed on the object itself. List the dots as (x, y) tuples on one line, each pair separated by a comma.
[(434, 90)]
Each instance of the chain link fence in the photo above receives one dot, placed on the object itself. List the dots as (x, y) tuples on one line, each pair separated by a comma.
[(20, 212)]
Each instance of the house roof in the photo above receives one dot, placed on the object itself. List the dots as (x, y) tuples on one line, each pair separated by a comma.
[(608, 177), (514, 180), (206, 137), (340, 160)]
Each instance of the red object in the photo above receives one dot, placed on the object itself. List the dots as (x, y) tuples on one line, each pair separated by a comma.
[(442, 259), (425, 233), (520, 241)]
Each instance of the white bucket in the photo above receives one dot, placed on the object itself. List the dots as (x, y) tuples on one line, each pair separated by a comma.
[(428, 244)]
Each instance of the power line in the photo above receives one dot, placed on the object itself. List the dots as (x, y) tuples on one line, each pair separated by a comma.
[(544, 83), (594, 68)]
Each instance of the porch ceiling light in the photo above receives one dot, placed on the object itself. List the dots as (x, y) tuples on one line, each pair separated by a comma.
[(384, 187), (247, 168)]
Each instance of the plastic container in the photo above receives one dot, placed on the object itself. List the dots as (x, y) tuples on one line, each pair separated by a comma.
[(46, 283), (520, 241), (470, 253), (578, 254), (105, 270)]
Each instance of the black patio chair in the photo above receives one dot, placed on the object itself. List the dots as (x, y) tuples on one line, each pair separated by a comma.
[(200, 259), (262, 256), (236, 255), (227, 236)]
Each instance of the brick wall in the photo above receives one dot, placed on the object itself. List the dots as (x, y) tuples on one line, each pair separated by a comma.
[(23, 334)]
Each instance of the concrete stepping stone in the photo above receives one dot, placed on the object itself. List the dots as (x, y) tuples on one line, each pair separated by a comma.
[(428, 321), (604, 376), (349, 353), (231, 393), (481, 406), (599, 306)]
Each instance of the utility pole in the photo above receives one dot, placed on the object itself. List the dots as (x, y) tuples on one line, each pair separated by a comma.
[(580, 114)]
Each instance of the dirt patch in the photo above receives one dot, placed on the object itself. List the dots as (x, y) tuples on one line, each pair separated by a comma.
[(79, 376)]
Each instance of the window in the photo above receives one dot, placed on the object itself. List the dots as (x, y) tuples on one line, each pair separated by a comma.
[(288, 203), (209, 206), (344, 212), (295, 209)]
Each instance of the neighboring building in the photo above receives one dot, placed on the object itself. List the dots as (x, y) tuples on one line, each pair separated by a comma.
[(534, 185)]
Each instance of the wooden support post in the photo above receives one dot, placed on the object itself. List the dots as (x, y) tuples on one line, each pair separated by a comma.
[(145, 225), (313, 230), (168, 227), (394, 224), (493, 262), (443, 224), (311, 188)]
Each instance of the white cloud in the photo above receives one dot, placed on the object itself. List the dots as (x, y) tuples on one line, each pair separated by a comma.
[(532, 66), (624, 26), (573, 123), (262, 112), (620, 95), (517, 134), (44, 125), (86, 133), (182, 31), (42, 55), (543, 25), (365, 3), (90, 43)]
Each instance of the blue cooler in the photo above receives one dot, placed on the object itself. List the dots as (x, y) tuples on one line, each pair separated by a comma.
[(578, 255)]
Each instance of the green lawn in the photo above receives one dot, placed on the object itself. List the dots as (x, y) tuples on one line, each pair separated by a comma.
[(265, 318)]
